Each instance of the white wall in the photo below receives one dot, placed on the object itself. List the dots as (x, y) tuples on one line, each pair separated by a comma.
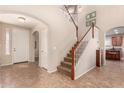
[(87, 60)]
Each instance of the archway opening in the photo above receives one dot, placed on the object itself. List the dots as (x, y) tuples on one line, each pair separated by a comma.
[(114, 44), (36, 46)]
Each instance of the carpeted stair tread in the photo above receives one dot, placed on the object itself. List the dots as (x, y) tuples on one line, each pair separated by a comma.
[(68, 59), (66, 64), (64, 70)]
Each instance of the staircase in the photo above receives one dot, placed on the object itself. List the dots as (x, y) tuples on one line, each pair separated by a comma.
[(66, 66)]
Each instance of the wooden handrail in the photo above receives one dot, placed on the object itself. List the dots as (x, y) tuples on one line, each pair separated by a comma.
[(85, 34), (72, 21), (92, 26)]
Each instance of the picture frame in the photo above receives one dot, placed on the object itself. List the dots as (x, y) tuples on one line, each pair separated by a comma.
[(88, 23), (91, 17), (93, 14), (88, 17)]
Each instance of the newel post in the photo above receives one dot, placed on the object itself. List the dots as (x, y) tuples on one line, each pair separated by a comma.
[(73, 58)]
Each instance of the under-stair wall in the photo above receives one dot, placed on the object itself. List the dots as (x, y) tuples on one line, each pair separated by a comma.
[(87, 60)]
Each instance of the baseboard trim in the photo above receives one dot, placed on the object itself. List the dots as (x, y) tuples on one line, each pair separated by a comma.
[(51, 71), (21, 62), (6, 64), (122, 58), (84, 72)]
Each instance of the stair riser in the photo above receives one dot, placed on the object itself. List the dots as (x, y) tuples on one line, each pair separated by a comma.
[(67, 60), (66, 65), (69, 55), (64, 72)]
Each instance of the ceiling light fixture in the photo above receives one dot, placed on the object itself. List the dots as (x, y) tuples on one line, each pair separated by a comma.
[(116, 32), (21, 19)]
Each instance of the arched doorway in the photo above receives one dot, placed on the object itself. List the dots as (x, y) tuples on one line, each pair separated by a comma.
[(36, 46), (114, 44)]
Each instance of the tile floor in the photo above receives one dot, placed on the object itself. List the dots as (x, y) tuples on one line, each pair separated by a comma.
[(28, 75)]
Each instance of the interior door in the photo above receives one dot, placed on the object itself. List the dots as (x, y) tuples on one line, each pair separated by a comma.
[(20, 42)]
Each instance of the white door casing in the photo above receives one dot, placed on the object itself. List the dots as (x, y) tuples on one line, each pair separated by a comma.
[(43, 47)]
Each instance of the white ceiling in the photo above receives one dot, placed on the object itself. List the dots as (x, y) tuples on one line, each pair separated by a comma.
[(13, 19), (119, 30)]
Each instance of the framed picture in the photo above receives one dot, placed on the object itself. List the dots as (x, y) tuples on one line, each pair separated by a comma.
[(93, 21), (88, 17), (93, 14), (88, 23)]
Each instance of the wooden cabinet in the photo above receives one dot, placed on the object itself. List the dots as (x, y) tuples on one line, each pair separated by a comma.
[(98, 58), (117, 41), (113, 54)]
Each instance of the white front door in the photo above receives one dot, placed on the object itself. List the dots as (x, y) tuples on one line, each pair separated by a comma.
[(20, 45)]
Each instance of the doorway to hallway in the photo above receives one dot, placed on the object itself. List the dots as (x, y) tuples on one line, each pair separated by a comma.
[(36, 47), (114, 44)]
